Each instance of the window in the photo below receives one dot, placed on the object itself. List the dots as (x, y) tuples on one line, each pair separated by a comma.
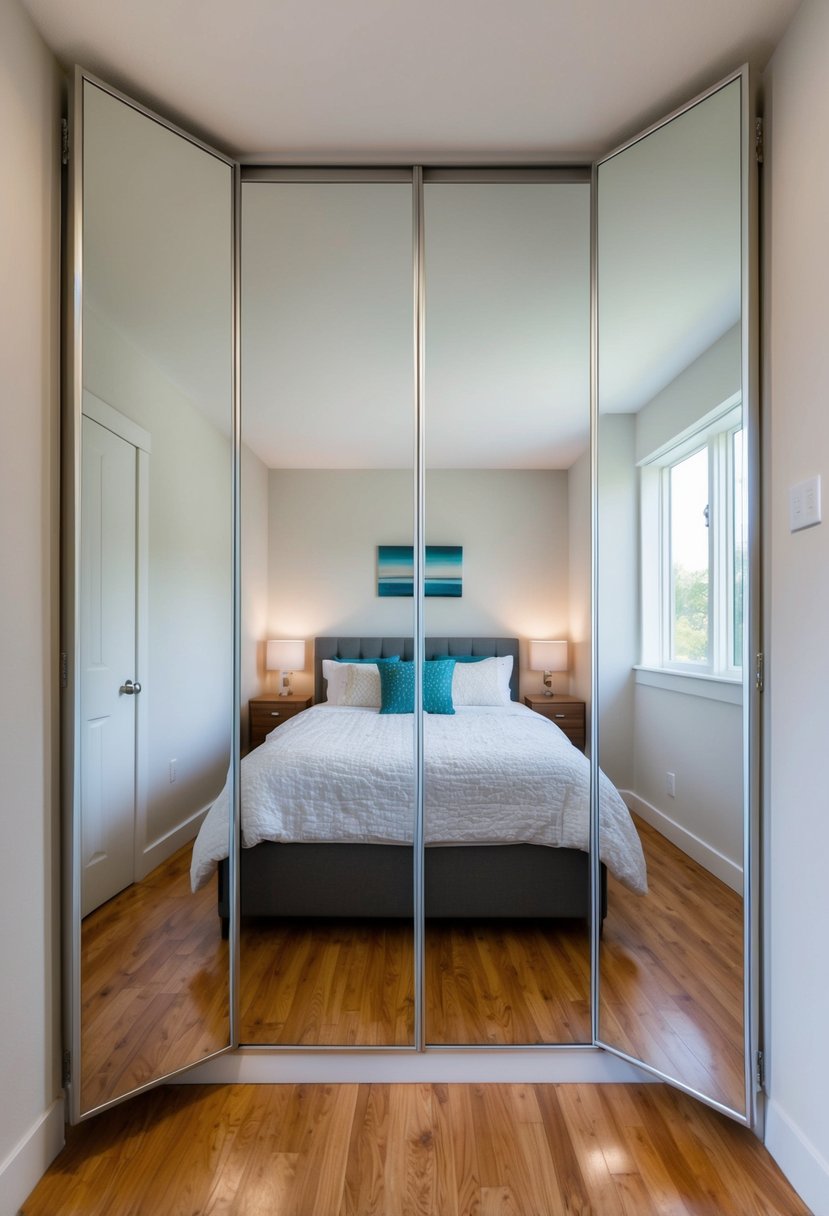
[(693, 552)]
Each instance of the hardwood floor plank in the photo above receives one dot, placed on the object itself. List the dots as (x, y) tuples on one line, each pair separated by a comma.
[(449, 1150)]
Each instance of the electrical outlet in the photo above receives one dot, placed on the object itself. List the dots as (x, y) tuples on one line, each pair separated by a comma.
[(173, 764), (670, 784)]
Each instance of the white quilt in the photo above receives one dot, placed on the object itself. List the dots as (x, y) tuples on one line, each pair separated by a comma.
[(493, 775)]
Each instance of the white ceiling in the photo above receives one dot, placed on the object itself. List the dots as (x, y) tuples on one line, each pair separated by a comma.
[(357, 80)]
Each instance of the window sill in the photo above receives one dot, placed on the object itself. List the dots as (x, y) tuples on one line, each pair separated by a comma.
[(715, 688)]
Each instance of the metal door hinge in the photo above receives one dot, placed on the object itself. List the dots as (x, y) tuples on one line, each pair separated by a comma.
[(66, 1075), (759, 144), (761, 1070), (760, 672), (64, 141), (64, 669)]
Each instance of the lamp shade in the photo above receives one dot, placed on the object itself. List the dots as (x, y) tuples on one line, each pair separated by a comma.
[(548, 656), (285, 655)]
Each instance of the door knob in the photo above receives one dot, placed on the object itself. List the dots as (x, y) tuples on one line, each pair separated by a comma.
[(129, 688)]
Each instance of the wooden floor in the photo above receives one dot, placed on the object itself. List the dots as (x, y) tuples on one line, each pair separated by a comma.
[(672, 973), (435, 1150), (154, 983)]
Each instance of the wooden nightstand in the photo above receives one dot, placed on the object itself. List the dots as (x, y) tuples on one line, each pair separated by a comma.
[(266, 713), (566, 712)]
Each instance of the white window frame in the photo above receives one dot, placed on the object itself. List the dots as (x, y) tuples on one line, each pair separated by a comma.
[(715, 434)]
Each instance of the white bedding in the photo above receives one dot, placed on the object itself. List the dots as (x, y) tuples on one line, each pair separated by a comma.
[(493, 775)]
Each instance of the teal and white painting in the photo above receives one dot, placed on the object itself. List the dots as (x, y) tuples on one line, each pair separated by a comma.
[(443, 570)]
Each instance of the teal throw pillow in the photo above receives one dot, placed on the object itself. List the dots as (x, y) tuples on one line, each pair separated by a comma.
[(461, 658), (392, 658), (437, 686), (397, 687)]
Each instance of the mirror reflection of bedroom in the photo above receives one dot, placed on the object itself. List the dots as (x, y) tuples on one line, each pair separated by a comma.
[(327, 785), (671, 559), (154, 595), (507, 421)]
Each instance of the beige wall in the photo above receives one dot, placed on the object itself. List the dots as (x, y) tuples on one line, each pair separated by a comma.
[(30, 1118), (325, 526), (796, 204), (581, 581), (254, 579), (618, 611)]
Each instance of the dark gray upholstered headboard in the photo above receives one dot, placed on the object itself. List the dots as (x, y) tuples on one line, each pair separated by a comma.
[(378, 648)]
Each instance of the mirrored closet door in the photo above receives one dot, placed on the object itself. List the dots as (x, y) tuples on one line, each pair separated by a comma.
[(676, 445), (148, 626), (417, 479), (507, 585), (328, 498)]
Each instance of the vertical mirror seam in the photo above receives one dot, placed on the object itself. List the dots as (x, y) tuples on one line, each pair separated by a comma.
[(419, 285)]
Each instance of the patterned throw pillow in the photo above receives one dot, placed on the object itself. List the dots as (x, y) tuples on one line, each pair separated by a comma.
[(437, 686), (484, 683), (362, 685), (397, 687)]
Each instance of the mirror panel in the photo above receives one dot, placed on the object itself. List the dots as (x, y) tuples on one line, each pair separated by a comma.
[(328, 808), (507, 527), (671, 499), (154, 593)]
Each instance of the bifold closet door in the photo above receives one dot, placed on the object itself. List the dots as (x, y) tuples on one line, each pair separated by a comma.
[(507, 565), (328, 499), (148, 593), (677, 593)]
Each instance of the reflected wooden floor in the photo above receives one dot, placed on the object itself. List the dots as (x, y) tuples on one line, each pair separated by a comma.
[(333, 982), (327, 982), (508, 982), (154, 982), (438, 1150), (672, 972)]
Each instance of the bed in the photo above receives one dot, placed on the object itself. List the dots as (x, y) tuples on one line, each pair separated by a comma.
[(328, 809)]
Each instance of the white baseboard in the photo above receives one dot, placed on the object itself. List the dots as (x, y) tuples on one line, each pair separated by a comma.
[(159, 850), (263, 1066), (30, 1158), (806, 1169), (716, 863)]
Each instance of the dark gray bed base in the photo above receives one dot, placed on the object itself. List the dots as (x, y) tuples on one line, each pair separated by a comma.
[(375, 880)]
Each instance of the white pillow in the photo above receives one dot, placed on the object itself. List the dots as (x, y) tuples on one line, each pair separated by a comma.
[(362, 685), (482, 683), (335, 675)]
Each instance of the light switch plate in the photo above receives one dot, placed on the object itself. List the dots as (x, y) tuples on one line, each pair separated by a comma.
[(804, 504)]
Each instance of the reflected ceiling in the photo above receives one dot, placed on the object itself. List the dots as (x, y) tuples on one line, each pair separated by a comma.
[(669, 232), (162, 294)]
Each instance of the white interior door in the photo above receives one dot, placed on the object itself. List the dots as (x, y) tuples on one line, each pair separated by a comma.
[(108, 624)]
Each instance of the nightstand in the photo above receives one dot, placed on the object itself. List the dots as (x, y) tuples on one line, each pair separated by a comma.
[(266, 713), (566, 712)]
